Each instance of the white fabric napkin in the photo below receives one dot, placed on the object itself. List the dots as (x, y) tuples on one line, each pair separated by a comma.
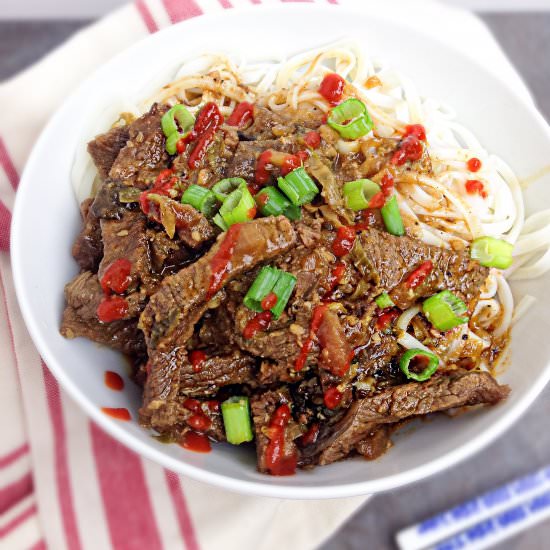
[(65, 484)]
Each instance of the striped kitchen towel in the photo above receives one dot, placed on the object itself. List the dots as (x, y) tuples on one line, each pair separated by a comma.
[(64, 483)]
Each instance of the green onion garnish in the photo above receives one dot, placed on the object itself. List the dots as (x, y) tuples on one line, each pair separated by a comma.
[(283, 289), (445, 310), (201, 199), (409, 355), (236, 420), (350, 119), (492, 252), (218, 220), (176, 124), (238, 207), (298, 186), (273, 203), (383, 300), (270, 279), (392, 217), (358, 193), (225, 187)]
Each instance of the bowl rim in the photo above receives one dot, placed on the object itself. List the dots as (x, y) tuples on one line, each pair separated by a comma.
[(249, 487)]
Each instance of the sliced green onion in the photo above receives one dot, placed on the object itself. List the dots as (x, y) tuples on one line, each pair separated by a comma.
[(201, 199), (238, 207), (298, 186), (392, 217), (383, 301), (293, 213), (271, 201), (176, 124), (236, 420), (270, 279), (358, 193), (492, 252), (350, 119), (283, 289), (263, 284), (219, 221), (225, 187), (445, 310), (409, 355)]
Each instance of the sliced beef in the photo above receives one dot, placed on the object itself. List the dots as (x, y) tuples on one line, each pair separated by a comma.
[(193, 228), (83, 296), (166, 253), (376, 443), (442, 392), (265, 121), (216, 371), (144, 155), (104, 149), (182, 299), (106, 203), (387, 261), (263, 406), (127, 239), (88, 246)]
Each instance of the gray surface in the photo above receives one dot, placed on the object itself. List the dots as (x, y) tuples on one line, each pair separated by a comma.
[(526, 447)]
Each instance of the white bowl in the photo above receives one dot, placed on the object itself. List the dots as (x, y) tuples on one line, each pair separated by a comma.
[(46, 220)]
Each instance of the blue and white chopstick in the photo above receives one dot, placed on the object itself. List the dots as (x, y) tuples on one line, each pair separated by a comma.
[(485, 520)]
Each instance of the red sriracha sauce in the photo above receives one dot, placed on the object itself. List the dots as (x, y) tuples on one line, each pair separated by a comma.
[(290, 163), (199, 422), (220, 262), (345, 239), (258, 323), (316, 320), (119, 414), (475, 186), (197, 358), (309, 437), (113, 380), (334, 278), (269, 302), (261, 174), (241, 115), (117, 276), (387, 184), (275, 460), (208, 121), (385, 319), (411, 149), (332, 397), (377, 200), (192, 404), (416, 130), (198, 443), (474, 164), (418, 276), (112, 308), (312, 139), (332, 88)]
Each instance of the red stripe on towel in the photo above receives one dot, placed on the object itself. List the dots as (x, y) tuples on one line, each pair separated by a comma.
[(123, 487), (14, 492), (18, 520), (5, 225), (39, 546), (147, 16), (178, 10), (225, 4), (182, 511), (10, 458), (62, 475), (7, 164)]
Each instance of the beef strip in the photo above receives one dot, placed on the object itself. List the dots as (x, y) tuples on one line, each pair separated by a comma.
[(169, 319), (391, 259), (262, 407), (376, 443), (181, 300), (193, 228), (262, 127), (442, 392), (144, 155), (88, 246), (83, 295), (127, 239), (104, 149), (106, 204), (166, 253), (216, 371)]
